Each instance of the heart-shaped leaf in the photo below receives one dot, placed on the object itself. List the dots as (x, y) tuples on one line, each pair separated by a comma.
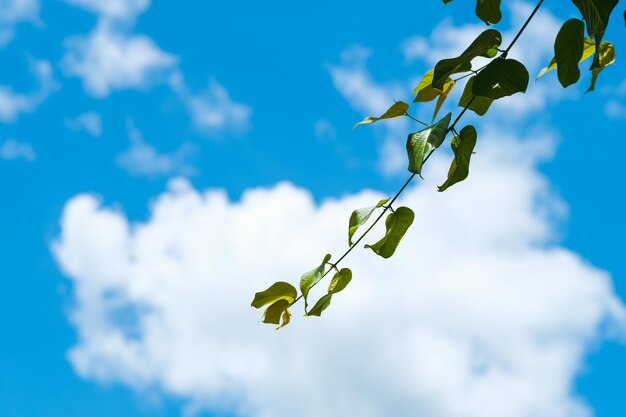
[(463, 147), (397, 223), (501, 78), (359, 217)]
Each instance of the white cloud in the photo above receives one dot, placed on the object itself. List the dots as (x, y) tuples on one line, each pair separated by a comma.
[(213, 110), (90, 122), (473, 316), (11, 149), (108, 60), (143, 159), (14, 12), (115, 9), (13, 104)]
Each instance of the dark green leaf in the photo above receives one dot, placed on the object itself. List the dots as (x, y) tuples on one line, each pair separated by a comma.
[(463, 147), (340, 281), (446, 1), (596, 13), (359, 217), (488, 11), (486, 45), (478, 105), (397, 223), (501, 78), (589, 47), (321, 305), (418, 144), (278, 291), (606, 57), (272, 313), (311, 278), (398, 109), (568, 50)]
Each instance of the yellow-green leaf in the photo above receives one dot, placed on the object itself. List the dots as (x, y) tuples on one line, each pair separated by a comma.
[(463, 147), (340, 280), (447, 89), (477, 104), (286, 319), (321, 305), (309, 279), (397, 223), (398, 109), (606, 57), (359, 217), (419, 144), (273, 313), (278, 291), (589, 47)]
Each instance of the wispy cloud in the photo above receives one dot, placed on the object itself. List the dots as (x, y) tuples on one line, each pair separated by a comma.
[(212, 110), (14, 12), (114, 9), (89, 122), (11, 149), (143, 159), (13, 104)]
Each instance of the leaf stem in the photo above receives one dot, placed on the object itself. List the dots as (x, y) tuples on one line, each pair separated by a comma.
[(408, 181)]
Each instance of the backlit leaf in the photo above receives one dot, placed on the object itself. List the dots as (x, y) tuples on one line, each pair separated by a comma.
[(488, 11), (596, 13), (398, 109), (340, 281), (478, 105), (501, 78), (321, 305), (568, 50), (311, 278), (589, 47), (397, 223), (463, 147), (447, 89), (273, 313), (359, 217), (419, 144), (606, 57), (286, 319), (485, 45), (277, 291)]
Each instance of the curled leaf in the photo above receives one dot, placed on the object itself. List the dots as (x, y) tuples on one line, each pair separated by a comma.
[(398, 109), (606, 57), (273, 313), (463, 147), (340, 280), (311, 278), (418, 144), (359, 217), (278, 291), (397, 223), (321, 305)]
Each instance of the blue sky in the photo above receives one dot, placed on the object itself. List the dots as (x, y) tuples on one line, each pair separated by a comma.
[(161, 162)]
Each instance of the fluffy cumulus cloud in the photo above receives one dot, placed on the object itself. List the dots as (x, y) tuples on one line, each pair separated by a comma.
[(14, 12), (480, 313), (143, 159), (13, 104), (108, 59), (114, 9)]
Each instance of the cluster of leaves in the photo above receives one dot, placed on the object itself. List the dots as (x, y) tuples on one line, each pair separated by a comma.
[(499, 78)]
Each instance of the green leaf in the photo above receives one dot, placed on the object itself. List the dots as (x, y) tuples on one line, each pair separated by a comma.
[(606, 57), (397, 223), (321, 305), (340, 281), (419, 144), (501, 78), (568, 50), (311, 278), (596, 13), (488, 11), (426, 92), (359, 217), (463, 147), (286, 319), (478, 105), (278, 291), (447, 89), (398, 109), (589, 47), (486, 45), (446, 1), (272, 313)]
